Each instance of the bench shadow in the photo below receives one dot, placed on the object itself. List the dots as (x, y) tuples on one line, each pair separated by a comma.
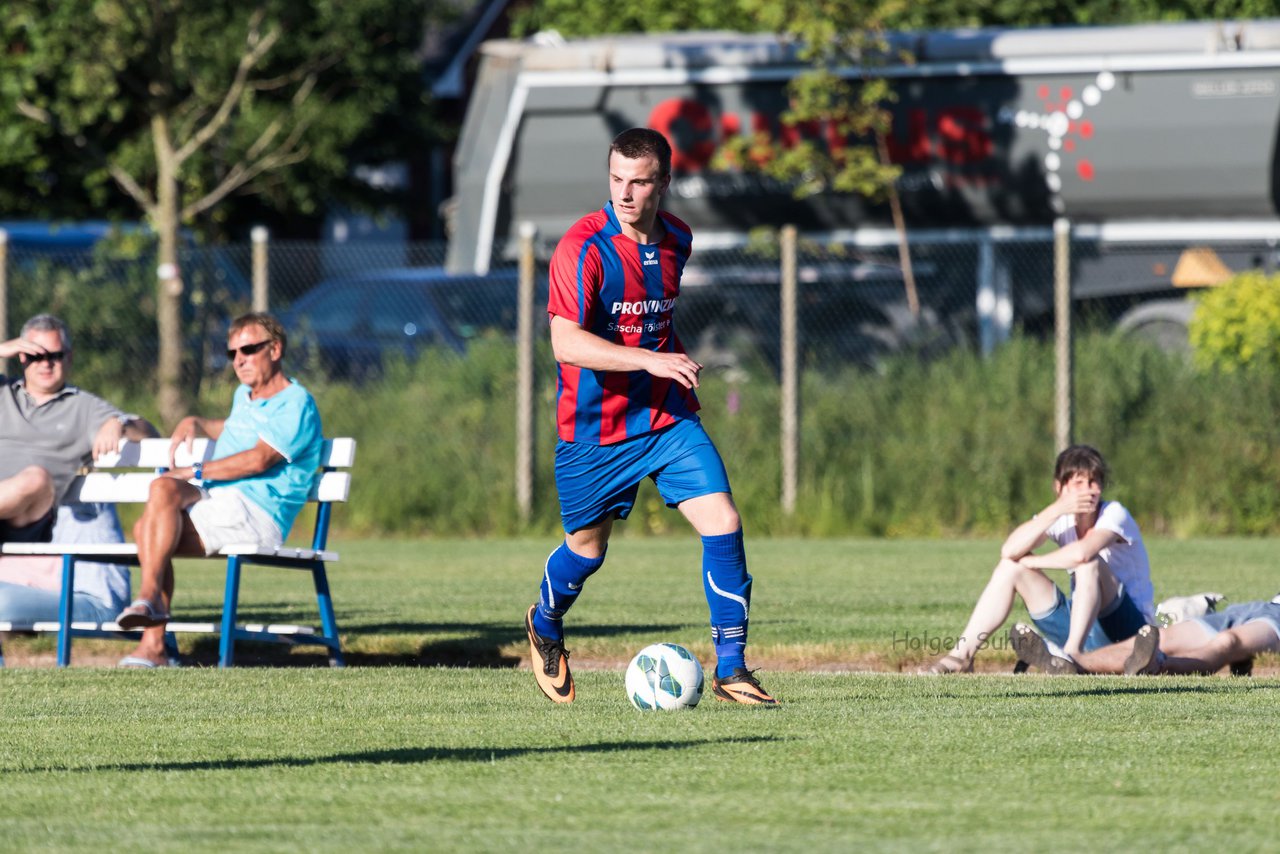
[(412, 755), (475, 645)]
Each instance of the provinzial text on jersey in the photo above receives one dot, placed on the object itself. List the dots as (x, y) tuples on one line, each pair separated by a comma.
[(645, 306)]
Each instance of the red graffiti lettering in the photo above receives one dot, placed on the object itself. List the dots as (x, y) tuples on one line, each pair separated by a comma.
[(689, 128), (964, 135)]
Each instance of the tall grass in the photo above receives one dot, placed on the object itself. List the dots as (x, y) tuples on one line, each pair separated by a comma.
[(956, 445)]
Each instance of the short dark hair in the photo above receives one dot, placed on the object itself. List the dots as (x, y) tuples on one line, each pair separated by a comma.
[(1080, 459), (644, 142), (271, 326), (48, 323)]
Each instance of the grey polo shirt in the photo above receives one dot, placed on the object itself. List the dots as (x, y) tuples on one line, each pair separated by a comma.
[(56, 435)]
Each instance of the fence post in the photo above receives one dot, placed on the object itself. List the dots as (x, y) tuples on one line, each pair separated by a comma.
[(4, 295), (524, 373), (1062, 332), (995, 300), (790, 372), (260, 236)]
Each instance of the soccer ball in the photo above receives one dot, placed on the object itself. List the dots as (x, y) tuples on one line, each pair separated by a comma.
[(664, 676)]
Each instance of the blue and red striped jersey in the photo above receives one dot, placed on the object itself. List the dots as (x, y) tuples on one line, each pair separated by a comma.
[(626, 293)]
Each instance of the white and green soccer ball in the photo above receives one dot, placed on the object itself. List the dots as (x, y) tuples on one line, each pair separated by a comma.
[(664, 676)]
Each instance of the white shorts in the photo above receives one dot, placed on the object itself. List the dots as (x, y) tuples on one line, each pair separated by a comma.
[(225, 517)]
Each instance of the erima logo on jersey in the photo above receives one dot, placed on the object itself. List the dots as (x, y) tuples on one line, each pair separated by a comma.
[(650, 258), (643, 306)]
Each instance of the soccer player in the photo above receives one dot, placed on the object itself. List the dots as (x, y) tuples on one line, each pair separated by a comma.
[(1202, 644), (626, 410), (1098, 543)]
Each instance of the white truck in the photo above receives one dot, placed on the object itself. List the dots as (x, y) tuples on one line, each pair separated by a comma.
[(1158, 142)]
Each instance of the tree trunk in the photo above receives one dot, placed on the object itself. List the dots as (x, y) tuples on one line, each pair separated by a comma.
[(900, 226), (170, 397)]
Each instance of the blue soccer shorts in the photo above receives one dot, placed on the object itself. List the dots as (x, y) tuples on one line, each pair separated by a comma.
[(596, 481)]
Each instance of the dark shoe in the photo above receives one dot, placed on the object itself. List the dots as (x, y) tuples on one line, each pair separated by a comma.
[(1146, 657), (1032, 649), (741, 687), (550, 661), (1244, 667)]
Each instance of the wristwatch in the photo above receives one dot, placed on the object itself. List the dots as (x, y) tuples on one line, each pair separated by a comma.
[(197, 472)]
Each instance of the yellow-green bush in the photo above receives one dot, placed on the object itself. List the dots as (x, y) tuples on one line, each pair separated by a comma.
[(1237, 325)]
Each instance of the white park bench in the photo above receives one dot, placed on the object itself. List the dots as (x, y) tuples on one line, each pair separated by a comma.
[(112, 482)]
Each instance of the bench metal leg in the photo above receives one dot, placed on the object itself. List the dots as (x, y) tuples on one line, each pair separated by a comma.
[(328, 623), (230, 599), (65, 600), (171, 646)]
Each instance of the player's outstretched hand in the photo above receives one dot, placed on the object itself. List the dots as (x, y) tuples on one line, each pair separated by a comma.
[(675, 366)]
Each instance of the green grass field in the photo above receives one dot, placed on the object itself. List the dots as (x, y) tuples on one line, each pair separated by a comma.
[(414, 755)]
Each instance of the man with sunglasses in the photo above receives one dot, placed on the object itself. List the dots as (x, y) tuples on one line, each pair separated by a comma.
[(267, 453), (49, 430)]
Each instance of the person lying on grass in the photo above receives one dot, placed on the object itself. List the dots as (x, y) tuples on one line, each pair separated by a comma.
[(1206, 644), (1099, 545)]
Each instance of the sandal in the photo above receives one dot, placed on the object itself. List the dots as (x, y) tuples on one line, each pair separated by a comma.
[(140, 615), (947, 664)]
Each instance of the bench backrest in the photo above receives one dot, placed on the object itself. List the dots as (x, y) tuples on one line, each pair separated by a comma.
[(111, 483)]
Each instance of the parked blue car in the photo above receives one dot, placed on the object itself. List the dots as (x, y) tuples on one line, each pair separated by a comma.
[(353, 323)]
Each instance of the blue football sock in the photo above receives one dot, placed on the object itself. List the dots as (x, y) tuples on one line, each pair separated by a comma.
[(728, 589), (562, 581)]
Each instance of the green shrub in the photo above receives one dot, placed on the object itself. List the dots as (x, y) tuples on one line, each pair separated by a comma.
[(956, 446), (1236, 325)]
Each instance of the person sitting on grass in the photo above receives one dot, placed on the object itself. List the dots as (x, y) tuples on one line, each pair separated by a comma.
[(1099, 544), (1201, 645)]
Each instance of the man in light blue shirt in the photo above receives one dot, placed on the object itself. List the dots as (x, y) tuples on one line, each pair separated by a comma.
[(265, 461)]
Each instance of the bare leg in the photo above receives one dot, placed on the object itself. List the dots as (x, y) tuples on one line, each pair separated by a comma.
[(26, 496), (590, 542), (1095, 588), (1231, 645), (1179, 639), (712, 515), (163, 530), (1008, 579)]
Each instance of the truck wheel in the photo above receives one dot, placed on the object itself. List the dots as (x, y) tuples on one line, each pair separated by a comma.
[(1162, 322)]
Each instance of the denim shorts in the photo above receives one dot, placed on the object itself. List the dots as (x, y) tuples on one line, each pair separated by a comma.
[(595, 481), (1238, 615), (1120, 622)]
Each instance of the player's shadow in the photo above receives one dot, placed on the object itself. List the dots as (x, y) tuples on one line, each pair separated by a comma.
[(1208, 687), (413, 755), (487, 645)]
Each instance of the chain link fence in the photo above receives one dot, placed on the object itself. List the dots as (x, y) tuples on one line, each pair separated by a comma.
[(354, 304), (355, 311)]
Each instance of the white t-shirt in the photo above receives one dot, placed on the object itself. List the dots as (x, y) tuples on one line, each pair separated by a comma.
[(1127, 556)]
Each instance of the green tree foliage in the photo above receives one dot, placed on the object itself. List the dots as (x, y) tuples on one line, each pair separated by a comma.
[(571, 18), (1236, 325), (176, 106)]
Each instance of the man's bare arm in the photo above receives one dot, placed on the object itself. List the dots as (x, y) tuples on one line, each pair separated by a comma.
[(248, 463), (573, 345)]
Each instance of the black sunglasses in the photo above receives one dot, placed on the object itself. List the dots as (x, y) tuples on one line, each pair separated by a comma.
[(247, 349), (50, 356)]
